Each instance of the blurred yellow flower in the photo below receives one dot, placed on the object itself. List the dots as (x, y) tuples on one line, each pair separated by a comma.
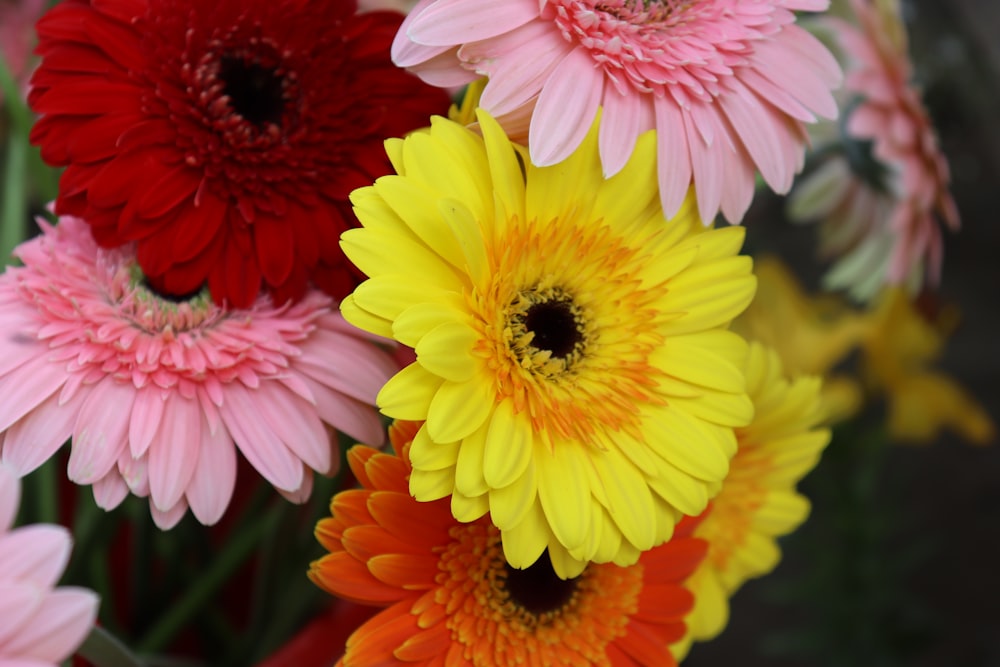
[(810, 334), (758, 502), (898, 354), (817, 335)]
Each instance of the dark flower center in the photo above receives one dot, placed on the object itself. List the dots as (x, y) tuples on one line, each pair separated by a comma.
[(555, 328), (538, 589), (167, 296), (255, 92)]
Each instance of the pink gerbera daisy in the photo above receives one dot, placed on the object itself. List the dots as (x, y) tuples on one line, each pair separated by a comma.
[(728, 84), (155, 392), (880, 211), (40, 625)]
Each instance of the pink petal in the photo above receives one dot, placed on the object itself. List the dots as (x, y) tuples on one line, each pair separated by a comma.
[(28, 386), (165, 520), (527, 58), (739, 177), (348, 415), (301, 494), (444, 70), (135, 473), (35, 554), (34, 439), (297, 424), (10, 497), (672, 157), (147, 411), (173, 453), (755, 128), (100, 433), (622, 121), (261, 447), (793, 71), (445, 22), (60, 625), (211, 487), (18, 603), (707, 162), (109, 491), (407, 53), (565, 109), (348, 364)]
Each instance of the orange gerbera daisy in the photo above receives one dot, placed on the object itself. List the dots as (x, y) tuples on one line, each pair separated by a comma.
[(452, 599)]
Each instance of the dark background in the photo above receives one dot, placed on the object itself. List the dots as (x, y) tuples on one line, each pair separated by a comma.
[(899, 563)]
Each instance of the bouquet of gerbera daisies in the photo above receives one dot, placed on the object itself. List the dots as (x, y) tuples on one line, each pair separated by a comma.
[(453, 284)]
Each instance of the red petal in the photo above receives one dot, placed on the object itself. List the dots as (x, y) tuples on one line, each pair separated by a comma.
[(275, 248)]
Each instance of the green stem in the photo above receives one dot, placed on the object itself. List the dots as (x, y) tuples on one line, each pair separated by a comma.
[(14, 211), (240, 547), (18, 111), (46, 489), (104, 650)]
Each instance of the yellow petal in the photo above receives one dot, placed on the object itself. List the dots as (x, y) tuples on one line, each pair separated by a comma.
[(408, 394), (691, 358), (680, 490), (419, 319), (467, 509), (510, 504), (364, 320), (525, 542), (447, 351), (508, 445), (685, 442), (388, 295), (376, 252), (609, 538), (459, 408), (469, 469), (564, 564), (425, 454), (564, 492), (468, 235), (428, 485), (505, 171), (630, 502)]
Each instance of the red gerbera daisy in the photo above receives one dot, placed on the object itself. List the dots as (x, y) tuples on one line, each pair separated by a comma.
[(223, 137)]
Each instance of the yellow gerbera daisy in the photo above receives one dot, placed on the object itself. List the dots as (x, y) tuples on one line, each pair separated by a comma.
[(758, 502), (573, 367)]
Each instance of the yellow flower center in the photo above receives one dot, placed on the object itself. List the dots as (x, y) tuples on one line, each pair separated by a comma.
[(567, 327), (501, 615)]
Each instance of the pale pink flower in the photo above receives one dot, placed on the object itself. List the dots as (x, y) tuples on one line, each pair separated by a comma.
[(156, 393), (727, 84), (17, 36), (40, 625), (880, 213)]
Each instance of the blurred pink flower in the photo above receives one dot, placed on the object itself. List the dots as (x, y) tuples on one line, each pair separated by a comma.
[(40, 625), (155, 393), (727, 84), (880, 216), (17, 36)]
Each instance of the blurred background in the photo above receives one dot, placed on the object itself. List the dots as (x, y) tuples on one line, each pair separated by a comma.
[(899, 563)]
